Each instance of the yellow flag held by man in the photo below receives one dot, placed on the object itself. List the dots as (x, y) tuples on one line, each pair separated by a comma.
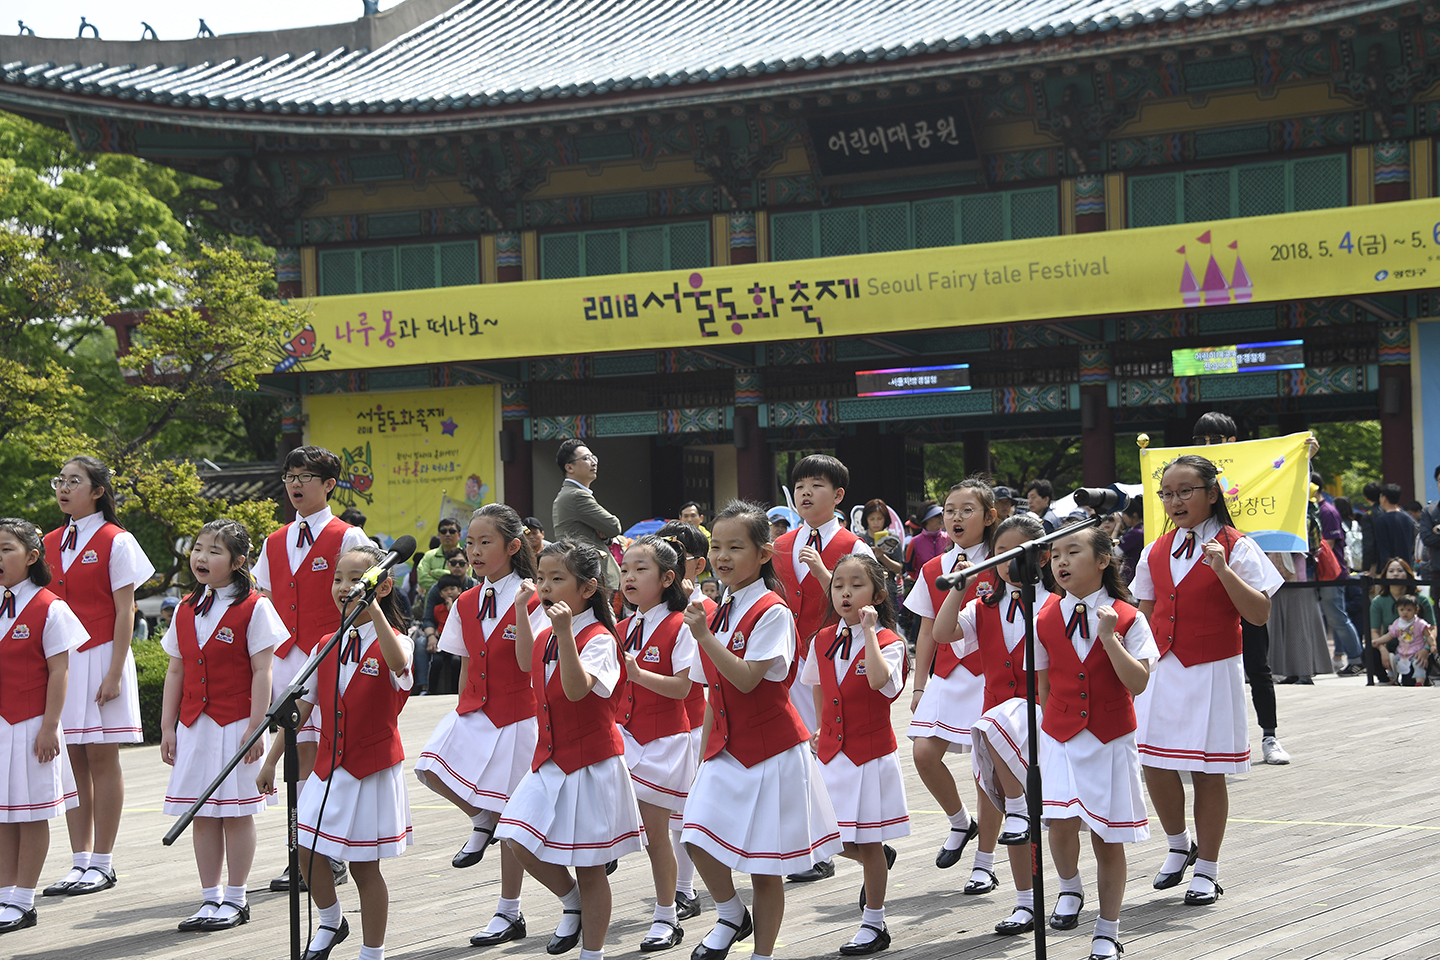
[(1265, 484)]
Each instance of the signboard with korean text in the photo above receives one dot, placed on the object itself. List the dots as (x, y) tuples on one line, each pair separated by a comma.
[(879, 141), (1239, 358), (1349, 251), (409, 459)]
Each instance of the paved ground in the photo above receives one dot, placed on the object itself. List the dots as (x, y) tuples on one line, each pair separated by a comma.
[(1332, 856)]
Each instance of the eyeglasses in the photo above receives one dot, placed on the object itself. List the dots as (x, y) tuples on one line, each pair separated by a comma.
[(965, 514), (458, 563), (301, 478), (1184, 493), (67, 483), (589, 458), (1208, 439)]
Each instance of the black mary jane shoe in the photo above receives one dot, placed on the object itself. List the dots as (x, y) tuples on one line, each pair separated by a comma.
[(1193, 899), (514, 931), (339, 872), (746, 927), (890, 856), (672, 939), (1164, 881), (103, 880), (946, 859), (281, 884), (881, 942), (823, 870), (1010, 928), (559, 944), (976, 887), (1106, 956), (27, 919), (60, 888), (242, 915), (1014, 838), (686, 907), (1067, 921), (340, 933), (611, 867), (197, 923), (468, 858)]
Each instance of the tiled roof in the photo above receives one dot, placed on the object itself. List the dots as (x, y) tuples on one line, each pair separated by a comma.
[(488, 53)]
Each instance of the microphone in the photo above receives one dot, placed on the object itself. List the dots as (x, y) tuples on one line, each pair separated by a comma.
[(949, 581), (1103, 499), (400, 551)]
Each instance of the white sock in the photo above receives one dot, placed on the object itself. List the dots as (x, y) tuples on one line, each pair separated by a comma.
[(482, 828), (721, 936), (983, 861), (592, 954), (1016, 806), (10, 913), (80, 860), (1205, 875), (1175, 862), (685, 876), (329, 917), (22, 897), (101, 861), (209, 895), (506, 912), (6, 893), (569, 922), (659, 929), (1069, 885), (872, 918), (1105, 928), (756, 956), (235, 895), (1025, 898), (372, 953), (959, 822)]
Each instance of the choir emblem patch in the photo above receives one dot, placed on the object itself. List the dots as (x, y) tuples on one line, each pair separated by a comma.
[(371, 667), (860, 668), (737, 642), (90, 556), (318, 564), (652, 655), (509, 633), (21, 632), (225, 635), (984, 588)]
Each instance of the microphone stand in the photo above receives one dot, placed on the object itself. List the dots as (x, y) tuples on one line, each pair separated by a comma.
[(284, 713), (1025, 568)]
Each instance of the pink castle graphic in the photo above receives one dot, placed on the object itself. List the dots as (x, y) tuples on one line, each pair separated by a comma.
[(1215, 289)]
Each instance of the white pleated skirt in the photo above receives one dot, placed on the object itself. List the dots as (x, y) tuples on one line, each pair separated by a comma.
[(772, 819), (1002, 736), (948, 708), (364, 820), (85, 721), (286, 669), (201, 751), (1193, 718), (802, 697), (697, 745), (661, 770), (480, 762), (32, 790), (869, 799), (1097, 782), (582, 819)]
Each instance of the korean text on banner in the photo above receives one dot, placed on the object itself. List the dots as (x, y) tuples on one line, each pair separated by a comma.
[(409, 459), (1266, 485)]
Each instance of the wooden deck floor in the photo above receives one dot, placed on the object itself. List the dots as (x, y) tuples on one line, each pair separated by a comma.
[(1333, 856)]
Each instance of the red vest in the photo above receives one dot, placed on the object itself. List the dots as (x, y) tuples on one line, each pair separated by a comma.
[(753, 726), (1004, 668), (945, 659), (495, 684), (85, 587), (585, 731), (856, 718), (26, 677), (366, 717), (218, 677), (303, 598), (1084, 694), (695, 700), (1199, 605), (806, 599), (646, 714)]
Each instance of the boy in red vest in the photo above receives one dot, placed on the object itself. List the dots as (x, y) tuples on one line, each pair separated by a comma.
[(803, 560), (295, 570)]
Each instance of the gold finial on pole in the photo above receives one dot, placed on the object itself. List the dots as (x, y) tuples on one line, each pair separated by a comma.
[(1142, 440)]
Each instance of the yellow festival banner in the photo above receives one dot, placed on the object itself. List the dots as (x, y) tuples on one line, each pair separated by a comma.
[(1350, 251), (1266, 484), (409, 459)]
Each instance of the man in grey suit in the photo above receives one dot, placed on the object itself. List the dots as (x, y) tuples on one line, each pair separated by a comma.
[(577, 514)]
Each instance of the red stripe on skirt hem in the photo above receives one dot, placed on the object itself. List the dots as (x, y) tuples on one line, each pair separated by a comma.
[(762, 856)]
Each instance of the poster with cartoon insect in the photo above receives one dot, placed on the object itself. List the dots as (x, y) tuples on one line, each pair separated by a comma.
[(1265, 483), (409, 459)]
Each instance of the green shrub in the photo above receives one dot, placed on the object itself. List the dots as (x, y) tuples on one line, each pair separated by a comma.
[(151, 663)]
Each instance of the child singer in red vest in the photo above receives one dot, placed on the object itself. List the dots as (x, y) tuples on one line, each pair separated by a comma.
[(1098, 649), (950, 692), (221, 643), (857, 668), (295, 569), (758, 804), (650, 708), (576, 807), (96, 566), (994, 628), (479, 753), (37, 633), (1194, 584), (355, 807)]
